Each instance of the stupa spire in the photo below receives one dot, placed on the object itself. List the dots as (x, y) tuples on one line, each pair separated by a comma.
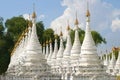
[(51, 52), (117, 66), (68, 27), (34, 44), (34, 13), (88, 49), (54, 55), (67, 50), (43, 49), (106, 62), (87, 13), (111, 65), (76, 20), (47, 49), (75, 51), (61, 48)]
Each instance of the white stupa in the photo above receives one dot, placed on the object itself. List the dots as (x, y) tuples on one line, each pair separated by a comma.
[(60, 55), (90, 67), (76, 48), (47, 49), (88, 49), (67, 51), (49, 59), (43, 51), (111, 65), (54, 55), (34, 66), (60, 51), (117, 65), (106, 60), (28, 60), (66, 62)]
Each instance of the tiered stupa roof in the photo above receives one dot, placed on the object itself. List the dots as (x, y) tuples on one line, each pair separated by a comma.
[(61, 48), (49, 59), (54, 55), (88, 54), (75, 51), (47, 49), (67, 52)]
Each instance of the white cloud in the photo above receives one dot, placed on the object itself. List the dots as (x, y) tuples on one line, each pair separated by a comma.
[(103, 17), (29, 17), (26, 16), (100, 14), (115, 24)]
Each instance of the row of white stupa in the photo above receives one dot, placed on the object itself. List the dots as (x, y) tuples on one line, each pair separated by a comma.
[(74, 62), (113, 65)]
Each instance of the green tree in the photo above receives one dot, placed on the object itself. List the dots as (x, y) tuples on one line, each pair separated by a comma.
[(4, 46), (40, 30), (15, 26), (98, 38), (1, 26), (48, 33)]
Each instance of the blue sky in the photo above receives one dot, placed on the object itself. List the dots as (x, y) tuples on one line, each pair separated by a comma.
[(52, 9), (105, 15)]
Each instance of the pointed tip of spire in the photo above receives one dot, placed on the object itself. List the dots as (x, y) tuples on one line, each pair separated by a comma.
[(113, 48), (68, 27), (76, 20), (87, 13), (34, 13), (47, 42), (61, 34), (43, 44), (118, 48), (56, 36), (50, 41)]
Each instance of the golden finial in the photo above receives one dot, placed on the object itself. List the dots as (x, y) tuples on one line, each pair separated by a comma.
[(68, 27), (61, 34), (87, 13), (34, 13), (76, 20), (50, 41), (56, 36), (113, 49), (118, 48), (47, 42), (43, 44)]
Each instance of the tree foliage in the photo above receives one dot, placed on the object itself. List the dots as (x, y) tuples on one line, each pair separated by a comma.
[(48, 33), (4, 47), (1, 26), (98, 39), (15, 26), (40, 30)]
